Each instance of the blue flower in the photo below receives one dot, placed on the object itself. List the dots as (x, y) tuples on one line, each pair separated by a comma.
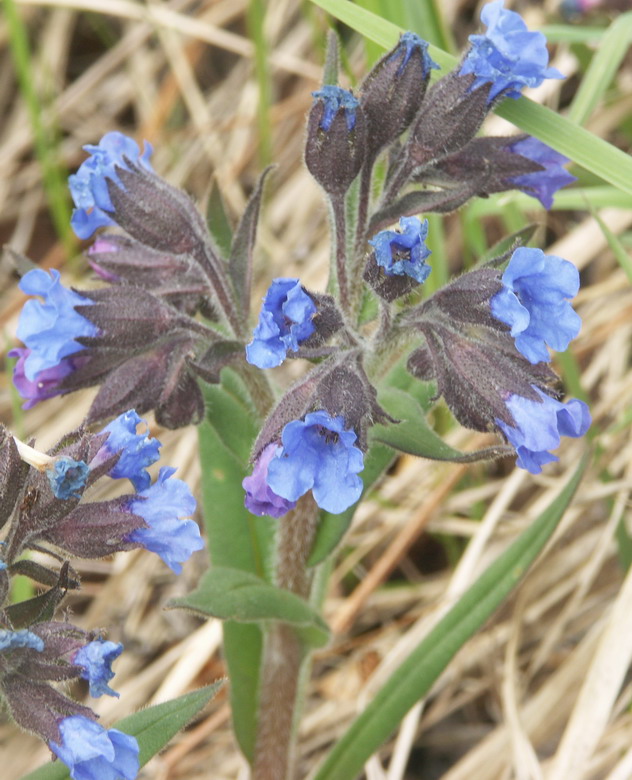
[(164, 506), (533, 302), (410, 42), (260, 499), (539, 427), (284, 321), (93, 753), (96, 659), (507, 54), (67, 477), (318, 454), (336, 99), (137, 450), (49, 328), (541, 184), (88, 186), (9, 640), (404, 253)]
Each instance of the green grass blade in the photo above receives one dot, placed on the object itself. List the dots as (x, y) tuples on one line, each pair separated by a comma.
[(54, 178), (566, 33), (618, 250), (416, 675), (585, 148), (613, 47), (256, 29), (574, 199), (425, 18)]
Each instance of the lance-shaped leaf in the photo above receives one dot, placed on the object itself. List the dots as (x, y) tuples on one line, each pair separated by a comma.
[(12, 474), (240, 264), (41, 607), (217, 220), (421, 201), (232, 594), (414, 436)]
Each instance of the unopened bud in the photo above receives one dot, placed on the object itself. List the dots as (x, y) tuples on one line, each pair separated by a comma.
[(392, 93), (336, 139)]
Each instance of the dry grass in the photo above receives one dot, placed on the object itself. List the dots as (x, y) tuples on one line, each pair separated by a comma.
[(543, 691)]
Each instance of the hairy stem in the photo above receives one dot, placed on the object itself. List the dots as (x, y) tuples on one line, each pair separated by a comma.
[(363, 207), (284, 652), (340, 243)]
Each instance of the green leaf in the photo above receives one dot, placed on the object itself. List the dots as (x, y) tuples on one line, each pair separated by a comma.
[(414, 436), (231, 594), (585, 148), (152, 727), (230, 414), (414, 678), (618, 250), (508, 244), (236, 538), (565, 200), (217, 220), (613, 47), (242, 248)]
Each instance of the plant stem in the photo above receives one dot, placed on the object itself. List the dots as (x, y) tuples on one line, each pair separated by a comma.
[(363, 206), (284, 651), (340, 243)]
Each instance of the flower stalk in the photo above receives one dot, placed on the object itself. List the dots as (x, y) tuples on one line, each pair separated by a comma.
[(284, 651)]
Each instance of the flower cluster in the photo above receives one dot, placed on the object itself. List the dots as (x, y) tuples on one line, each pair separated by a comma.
[(486, 337), (172, 313), (42, 506), (55, 651)]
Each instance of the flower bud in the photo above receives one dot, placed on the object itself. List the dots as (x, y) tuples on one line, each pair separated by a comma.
[(336, 139), (453, 113), (392, 93)]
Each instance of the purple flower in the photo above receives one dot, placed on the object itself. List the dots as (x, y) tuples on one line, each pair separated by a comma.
[(137, 450), (260, 498), (67, 477), (336, 99), (47, 383), (541, 184), (88, 186), (539, 427), (9, 640), (507, 55), (164, 506), (284, 321), (93, 753), (49, 327), (404, 253), (96, 659), (533, 302), (318, 454)]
